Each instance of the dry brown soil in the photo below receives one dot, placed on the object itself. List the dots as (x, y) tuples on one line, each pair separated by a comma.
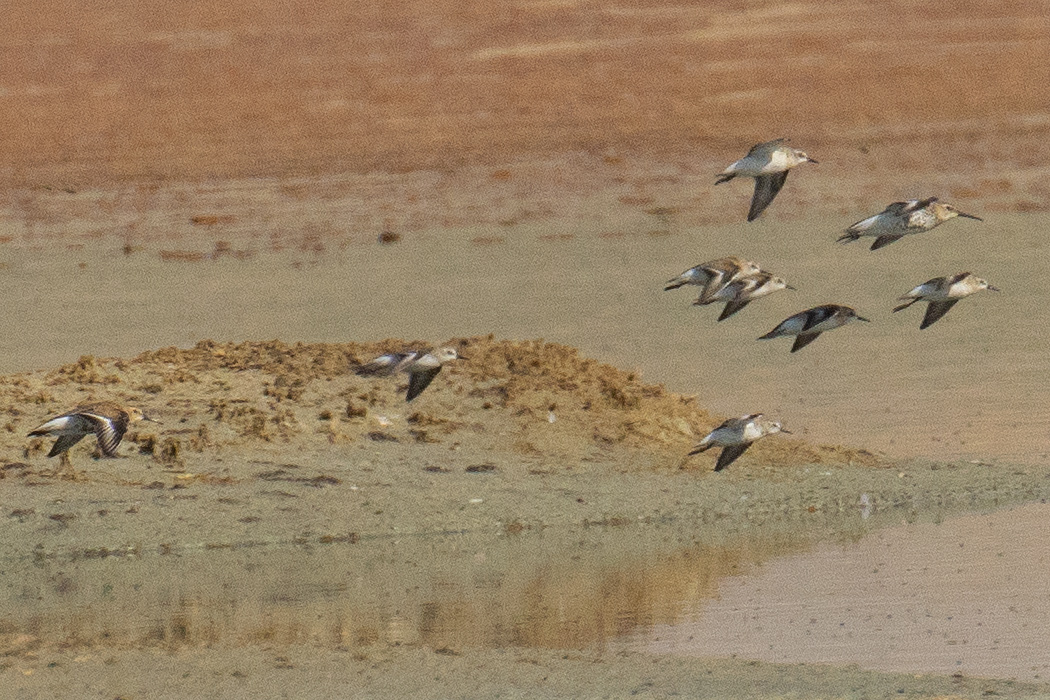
[(892, 95)]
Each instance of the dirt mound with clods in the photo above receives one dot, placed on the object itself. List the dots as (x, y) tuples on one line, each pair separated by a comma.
[(528, 398)]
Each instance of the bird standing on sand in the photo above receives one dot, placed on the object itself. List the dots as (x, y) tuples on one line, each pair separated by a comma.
[(713, 275), (107, 421), (768, 163), (735, 436), (807, 325), (739, 293), (943, 293), (420, 365), (901, 219)]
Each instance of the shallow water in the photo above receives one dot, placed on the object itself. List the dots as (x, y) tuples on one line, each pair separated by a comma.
[(970, 595), (970, 386), (455, 591)]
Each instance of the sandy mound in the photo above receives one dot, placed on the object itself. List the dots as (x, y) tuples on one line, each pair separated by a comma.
[(527, 398)]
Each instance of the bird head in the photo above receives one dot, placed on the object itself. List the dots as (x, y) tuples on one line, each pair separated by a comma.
[(948, 211), (444, 355), (983, 284), (803, 158), (136, 414)]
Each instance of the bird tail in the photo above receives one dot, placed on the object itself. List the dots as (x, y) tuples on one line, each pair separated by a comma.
[(724, 177), (848, 237), (371, 369), (904, 305)]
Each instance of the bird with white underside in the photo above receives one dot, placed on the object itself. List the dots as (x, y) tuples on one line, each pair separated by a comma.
[(943, 293), (739, 293), (807, 325), (735, 436), (421, 366), (713, 275), (902, 219), (768, 163), (107, 421)]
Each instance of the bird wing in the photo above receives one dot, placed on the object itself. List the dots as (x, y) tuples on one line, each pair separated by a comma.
[(766, 188), (816, 316), (420, 380), (716, 281), (929, 286), (732, 307), (108, 431), (733, 423), (729, 455), (63, 443), (898, 208), (804, 339), (918, 215), (935, 310), (384, 365), (765, 147), (885, 239)]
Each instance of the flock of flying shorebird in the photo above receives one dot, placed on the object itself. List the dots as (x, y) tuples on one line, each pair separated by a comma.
[(732, 280), (738, 282)]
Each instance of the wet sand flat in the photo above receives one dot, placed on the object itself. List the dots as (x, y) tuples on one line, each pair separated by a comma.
[(393, 672)]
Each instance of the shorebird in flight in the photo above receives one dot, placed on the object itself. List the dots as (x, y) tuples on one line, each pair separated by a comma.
[(807, 325), (107, 421), (739, 293), (768, 163), (735, 436), (713, 275), (943, 293), (901, 219), (421, 366)]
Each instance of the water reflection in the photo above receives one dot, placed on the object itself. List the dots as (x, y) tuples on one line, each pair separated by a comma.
[(970, 595), (538, 590)]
